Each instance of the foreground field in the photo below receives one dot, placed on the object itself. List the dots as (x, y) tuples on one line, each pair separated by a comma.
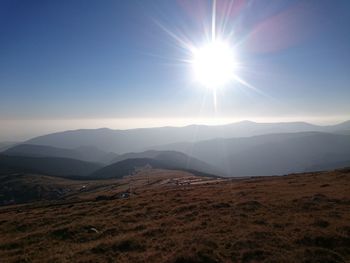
[(176, 217)]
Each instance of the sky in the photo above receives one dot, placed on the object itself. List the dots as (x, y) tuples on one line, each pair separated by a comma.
[(124, 64)]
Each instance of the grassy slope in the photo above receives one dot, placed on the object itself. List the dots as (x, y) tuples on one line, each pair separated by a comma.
[(295, 218)]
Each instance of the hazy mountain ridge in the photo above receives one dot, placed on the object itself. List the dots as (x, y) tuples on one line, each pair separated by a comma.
[(269, 154), (136, 140)]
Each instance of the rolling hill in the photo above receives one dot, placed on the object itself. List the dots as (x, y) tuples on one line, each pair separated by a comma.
[(172, 157), (126, 167), (161, 160), (22, 187), (47, 165)]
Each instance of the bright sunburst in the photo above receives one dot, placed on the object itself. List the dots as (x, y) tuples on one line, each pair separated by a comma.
[(214, 64)]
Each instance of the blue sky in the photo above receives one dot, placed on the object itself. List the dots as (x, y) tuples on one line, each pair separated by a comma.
[(98, 60)]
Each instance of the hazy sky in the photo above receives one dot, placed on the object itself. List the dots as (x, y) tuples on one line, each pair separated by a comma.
[(71, 64)]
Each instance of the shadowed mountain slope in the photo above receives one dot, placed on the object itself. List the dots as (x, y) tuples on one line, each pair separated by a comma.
[(47, 165), (6, 145), (84, 153)]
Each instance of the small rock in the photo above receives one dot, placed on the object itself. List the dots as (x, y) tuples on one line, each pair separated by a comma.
[(93, 230)]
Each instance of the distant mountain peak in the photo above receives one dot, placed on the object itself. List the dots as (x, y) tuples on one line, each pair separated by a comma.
[(247, 122)]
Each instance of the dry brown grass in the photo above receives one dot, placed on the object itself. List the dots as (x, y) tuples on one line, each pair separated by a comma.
[(294, 218)]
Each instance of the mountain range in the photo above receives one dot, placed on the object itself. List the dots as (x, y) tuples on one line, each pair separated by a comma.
[(238, 149), (270, 154), (136, 140)]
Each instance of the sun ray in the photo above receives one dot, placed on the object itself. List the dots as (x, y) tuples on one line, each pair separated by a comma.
[(214, 63), (213, 22), (215, 100), (186, 45), (251, 87)]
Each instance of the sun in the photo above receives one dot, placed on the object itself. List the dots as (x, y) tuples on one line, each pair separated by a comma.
[(214, 64)]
